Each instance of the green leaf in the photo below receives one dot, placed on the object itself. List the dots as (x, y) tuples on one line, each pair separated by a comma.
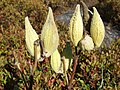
[(67, 51)]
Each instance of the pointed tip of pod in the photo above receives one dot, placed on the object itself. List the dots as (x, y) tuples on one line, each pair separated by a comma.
[(95, 11), (27, 23), (50, 14), (77, 8), (29, 29), (94, 8), (50, 9), (26, 18)]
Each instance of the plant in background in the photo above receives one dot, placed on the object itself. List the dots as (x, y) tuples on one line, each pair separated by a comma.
[(47, 46)]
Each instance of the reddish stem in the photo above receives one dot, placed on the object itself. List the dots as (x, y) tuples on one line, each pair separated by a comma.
[(74, 69)]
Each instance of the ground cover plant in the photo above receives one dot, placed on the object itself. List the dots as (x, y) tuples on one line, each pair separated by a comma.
[(15, 60)]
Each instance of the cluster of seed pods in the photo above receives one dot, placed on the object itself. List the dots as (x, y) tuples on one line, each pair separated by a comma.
[(50, 37)]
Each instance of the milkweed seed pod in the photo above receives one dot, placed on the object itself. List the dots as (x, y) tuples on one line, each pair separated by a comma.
[(76, 26), (87, 43), (57, 64), (55, 61), (49, 35), (30, 37), (97, 29)]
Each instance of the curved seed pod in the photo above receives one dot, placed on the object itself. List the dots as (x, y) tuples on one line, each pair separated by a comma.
[(76, 26), (30, 37), (57, 64), (55, 61), (87, 43), (97, 29), (49, 35)]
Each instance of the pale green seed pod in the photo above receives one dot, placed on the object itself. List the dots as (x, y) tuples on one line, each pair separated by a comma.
[(97, 29), (87, 43), (30, 37), (57, 64), (55, 61), (49, 35), (76, 26)]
